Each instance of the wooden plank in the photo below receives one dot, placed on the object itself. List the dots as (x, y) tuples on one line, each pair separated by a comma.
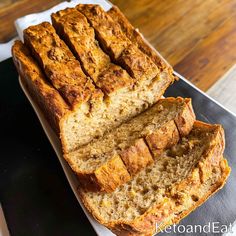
[(9, 12), (212, 58), (224, 90)]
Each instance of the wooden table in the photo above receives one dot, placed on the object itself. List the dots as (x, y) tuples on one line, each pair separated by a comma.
[(197, 37)]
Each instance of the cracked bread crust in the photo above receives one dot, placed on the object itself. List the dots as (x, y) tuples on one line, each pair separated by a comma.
[(184, 196), (113, 79), (136, 38), (73, 27), (48, 98), (138, 65), (110, 36), (60, 66), (121, 50)]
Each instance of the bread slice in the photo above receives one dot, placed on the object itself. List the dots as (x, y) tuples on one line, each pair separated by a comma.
[(98, 93), (181, 179), (108, 162)]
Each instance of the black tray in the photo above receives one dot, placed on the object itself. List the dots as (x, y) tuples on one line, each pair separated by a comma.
[(35, 195)]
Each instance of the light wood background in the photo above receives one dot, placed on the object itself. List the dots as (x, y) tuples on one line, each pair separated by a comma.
[(197, 37)]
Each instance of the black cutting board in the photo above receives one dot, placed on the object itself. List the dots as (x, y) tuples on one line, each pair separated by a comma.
[(34, 192)]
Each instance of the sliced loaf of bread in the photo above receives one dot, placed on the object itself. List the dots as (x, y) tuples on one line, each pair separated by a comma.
[(107, 162), (99, 93), (181, 179)]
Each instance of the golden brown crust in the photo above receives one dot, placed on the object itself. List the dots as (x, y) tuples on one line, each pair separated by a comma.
[(186, 119), (117, 45), (114, 78), (60, 66), (110, 36), (112, 174), (65, 74), (145, 224), (136, 157), (136, 38), (73, 27), (138, 65), (47, 97), (163, 138)]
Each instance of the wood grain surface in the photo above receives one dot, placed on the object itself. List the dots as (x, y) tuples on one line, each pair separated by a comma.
[(197, 37), (10, 10)]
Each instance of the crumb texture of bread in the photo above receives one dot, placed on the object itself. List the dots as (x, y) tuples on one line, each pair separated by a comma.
[(136, 142), (167, 190)]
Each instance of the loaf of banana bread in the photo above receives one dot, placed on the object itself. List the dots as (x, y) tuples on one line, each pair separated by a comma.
[(99, 93)]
